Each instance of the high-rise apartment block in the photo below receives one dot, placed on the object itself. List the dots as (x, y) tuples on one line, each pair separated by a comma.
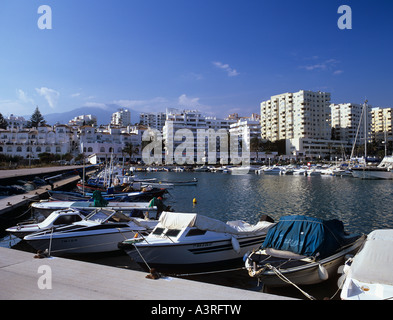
[(382, 124), (350, 122), (121, 118), (154, 120), (303, 120), (303, 114)]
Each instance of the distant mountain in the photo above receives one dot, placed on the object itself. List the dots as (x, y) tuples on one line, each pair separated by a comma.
[(103, 116)]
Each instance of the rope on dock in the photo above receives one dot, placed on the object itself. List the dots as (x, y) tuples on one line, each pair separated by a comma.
[(286, 280), (206, 272)]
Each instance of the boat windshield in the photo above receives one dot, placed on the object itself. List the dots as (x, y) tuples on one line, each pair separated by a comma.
[(102, 215)]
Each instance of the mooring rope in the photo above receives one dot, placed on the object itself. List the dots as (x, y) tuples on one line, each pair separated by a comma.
[(286, 280), (143, 258), (206, 272)]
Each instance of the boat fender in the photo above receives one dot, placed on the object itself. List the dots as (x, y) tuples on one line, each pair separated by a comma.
[(245, 257), (322, 272), (235, 244)]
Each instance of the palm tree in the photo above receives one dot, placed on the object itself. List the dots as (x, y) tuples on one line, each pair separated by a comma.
[(130, 150), (255, 145), (3, 122)]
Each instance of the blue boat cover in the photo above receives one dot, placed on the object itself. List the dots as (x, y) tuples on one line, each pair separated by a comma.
[(307, 236)]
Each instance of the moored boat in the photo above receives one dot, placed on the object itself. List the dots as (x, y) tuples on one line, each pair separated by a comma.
[(47, 207), (383, 171), (185, 242), (56, 219), (275, 170), (100, 232), (301, 250), (368, 275)]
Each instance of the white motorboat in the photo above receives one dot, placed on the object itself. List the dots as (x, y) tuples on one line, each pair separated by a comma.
[(192, 182), (383, 171), (301, 250), (56, 219), (201, 169), (314, 172), (47, 207), (100, 231), (300, 172), (184, 242), (368, 275), (171, 184), (273, 170)]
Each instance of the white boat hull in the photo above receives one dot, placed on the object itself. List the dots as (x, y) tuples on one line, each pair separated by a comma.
[(47, 207), (198, 256), (372, 174), (81, 242), (354, 289)]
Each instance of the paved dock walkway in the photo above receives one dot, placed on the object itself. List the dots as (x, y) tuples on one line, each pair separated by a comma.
[(11, 203), (15, 173), (21, 277)]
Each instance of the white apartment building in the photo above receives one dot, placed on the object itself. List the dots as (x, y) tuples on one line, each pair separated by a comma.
[(154, 120), (106, 141), (246, 129), (217, 123), (180, 133), (348, 122), (200, 139), (121, 118), (30, 142), (15, 122), (303, 119), (303, 114), (86, 119), (381, 124)]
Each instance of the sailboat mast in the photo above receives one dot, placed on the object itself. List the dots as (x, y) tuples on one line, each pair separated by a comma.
[(365, 131)]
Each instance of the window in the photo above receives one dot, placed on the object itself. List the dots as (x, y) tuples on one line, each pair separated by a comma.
[(172, 232), (158, 231), (38, 149), (102, 149), (67, 220), (89, 149), (9, 149), (19, 149), (195, 232), (47, 149)]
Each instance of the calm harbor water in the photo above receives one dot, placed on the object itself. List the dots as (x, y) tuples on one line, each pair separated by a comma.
[(363, 206)]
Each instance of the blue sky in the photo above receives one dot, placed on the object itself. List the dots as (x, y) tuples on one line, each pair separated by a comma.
[(213, 55)]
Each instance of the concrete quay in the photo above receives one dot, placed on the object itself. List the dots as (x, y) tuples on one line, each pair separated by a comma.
[(32, 172), (24, 277), (11, 203)]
